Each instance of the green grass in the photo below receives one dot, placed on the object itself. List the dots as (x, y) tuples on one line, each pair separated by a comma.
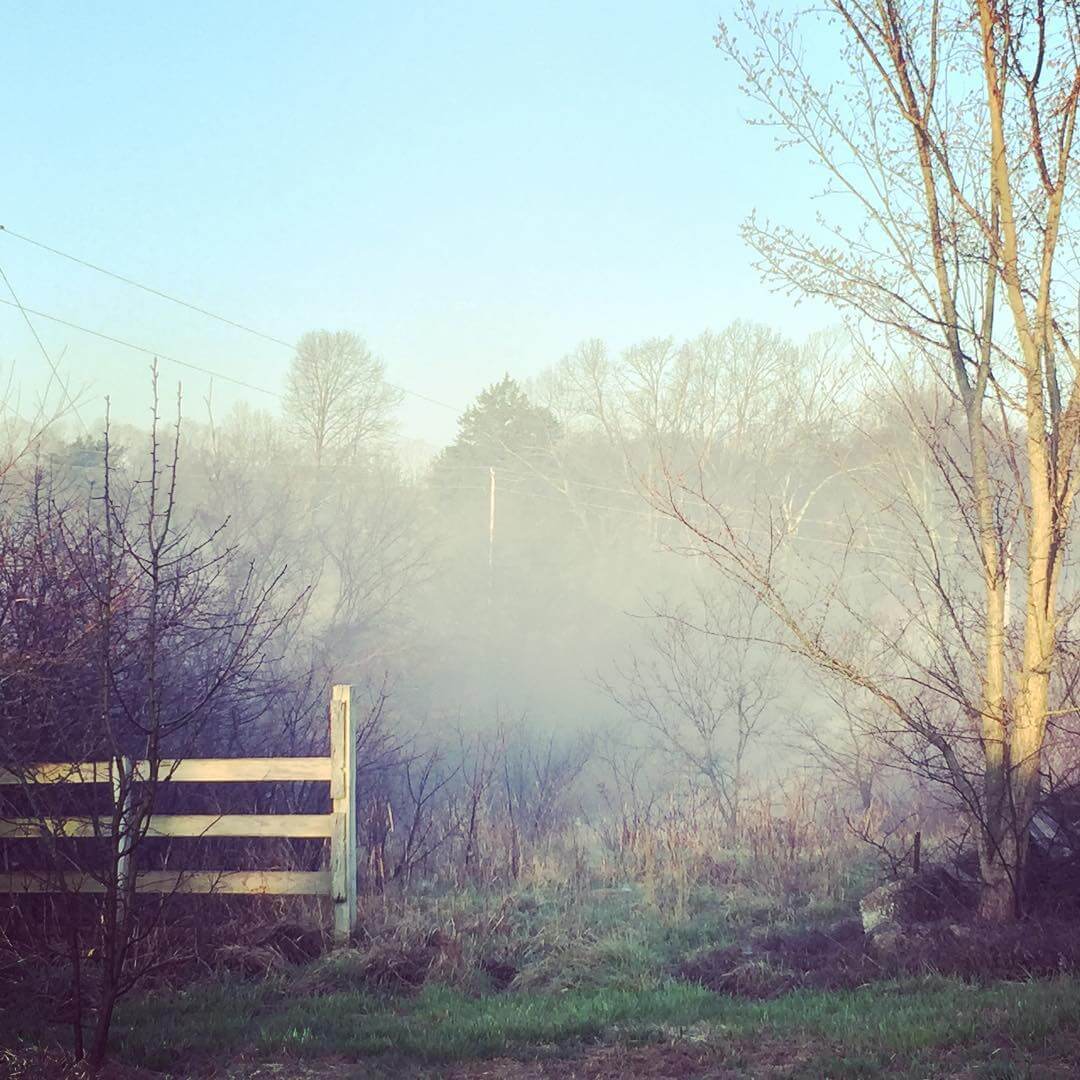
[(619, 938), (927, 1027), (436, 1025), (595, 978)]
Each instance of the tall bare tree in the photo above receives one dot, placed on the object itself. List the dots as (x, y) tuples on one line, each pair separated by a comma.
[(947, 142), (337, 395)]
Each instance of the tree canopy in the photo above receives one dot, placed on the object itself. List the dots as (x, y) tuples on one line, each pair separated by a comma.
[(500, 426)]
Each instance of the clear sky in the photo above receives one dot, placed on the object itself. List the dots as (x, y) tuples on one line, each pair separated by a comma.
[(474, 187)]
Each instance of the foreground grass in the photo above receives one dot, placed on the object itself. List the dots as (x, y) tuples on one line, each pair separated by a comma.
[(917, 1028), (595, 994)]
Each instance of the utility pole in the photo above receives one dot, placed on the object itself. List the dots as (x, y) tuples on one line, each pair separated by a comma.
[(491, 531)]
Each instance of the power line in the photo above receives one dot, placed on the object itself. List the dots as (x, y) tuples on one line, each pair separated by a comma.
[(749, 531), (143, 349), (41, 345), (26, 312), (631, 493), (262, 390), (146, 288), (161, 294), (797, 537)]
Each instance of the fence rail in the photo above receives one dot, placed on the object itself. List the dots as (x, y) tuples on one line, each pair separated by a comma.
[(251, 882), (191, 770), (185, 825), (338, 826)]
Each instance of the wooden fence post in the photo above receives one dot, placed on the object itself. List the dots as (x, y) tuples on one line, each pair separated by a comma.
[(122, 778), (343, 800)]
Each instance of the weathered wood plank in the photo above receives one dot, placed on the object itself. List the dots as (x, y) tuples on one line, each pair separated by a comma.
[(251, 825), (189, 825), (215, 770), (192, 770), (248, 882), (270, 882), (343, 799), (59, 772)]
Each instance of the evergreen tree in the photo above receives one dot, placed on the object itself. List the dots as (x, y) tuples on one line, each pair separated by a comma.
[(501, 427)]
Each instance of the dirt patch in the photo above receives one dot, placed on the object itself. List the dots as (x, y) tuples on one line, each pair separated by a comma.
[(834, 958), (501, 973), (842, 957), (41, 1064), (1024, 950)]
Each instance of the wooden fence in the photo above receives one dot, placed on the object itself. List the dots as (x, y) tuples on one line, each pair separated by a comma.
[(338, 826)]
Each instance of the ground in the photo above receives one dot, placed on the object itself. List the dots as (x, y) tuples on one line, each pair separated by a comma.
[(731, 989), (912, 1028)]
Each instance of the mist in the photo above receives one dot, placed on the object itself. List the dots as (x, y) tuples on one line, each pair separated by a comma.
[(541, 541)]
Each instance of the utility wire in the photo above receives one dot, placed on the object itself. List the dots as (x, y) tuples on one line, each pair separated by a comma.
[(41, 345), (142, 349), (631, 493), (750, 531), (26, 312), (146, 288), (262, 390), (161, 294)]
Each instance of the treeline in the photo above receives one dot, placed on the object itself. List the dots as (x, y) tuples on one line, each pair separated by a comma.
[(531, 577), (583, 637)]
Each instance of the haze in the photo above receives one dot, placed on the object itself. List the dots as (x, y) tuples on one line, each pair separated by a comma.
[(568, 510), (474, 189)]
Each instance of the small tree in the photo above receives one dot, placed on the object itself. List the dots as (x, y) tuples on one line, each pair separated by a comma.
[(135, 632), (702, 690), (337, 396)]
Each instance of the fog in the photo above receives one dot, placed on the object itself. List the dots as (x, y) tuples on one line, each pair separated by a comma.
[(532, 575), (459, 485), (697, 572)]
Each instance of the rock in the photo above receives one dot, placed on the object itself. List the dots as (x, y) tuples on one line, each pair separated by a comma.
[(930, 896), (888, 940), (881, 906)]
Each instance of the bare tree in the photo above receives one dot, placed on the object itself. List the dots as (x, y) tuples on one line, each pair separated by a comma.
[(950, 141), (147, 634), (337, 397), (701, 691)]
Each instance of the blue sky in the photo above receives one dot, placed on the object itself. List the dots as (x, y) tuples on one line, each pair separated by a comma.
[(474, 187)]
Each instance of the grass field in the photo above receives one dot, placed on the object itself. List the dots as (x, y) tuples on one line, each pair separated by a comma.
[(911, 1029), (596, 992)]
